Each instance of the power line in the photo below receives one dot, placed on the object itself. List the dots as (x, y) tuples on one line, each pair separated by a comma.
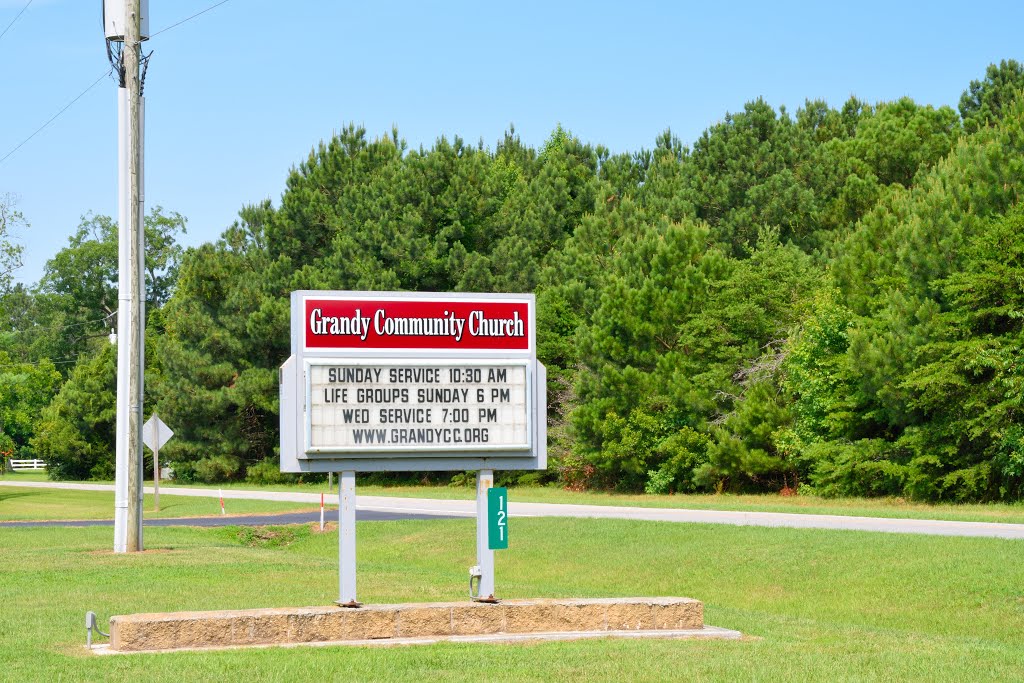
[(168, 28), (38, 363), (63, 361), (96, 82), (54, 117), (69, 326), (86, 322), (16, 18)]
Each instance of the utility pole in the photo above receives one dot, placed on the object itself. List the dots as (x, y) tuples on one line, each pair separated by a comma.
[(132, 55), (126, 23)]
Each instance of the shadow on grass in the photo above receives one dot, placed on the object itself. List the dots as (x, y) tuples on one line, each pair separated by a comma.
[(9, 496)]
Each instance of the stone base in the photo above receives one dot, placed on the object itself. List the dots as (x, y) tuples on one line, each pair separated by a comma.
[(423, 621), (706, 633)]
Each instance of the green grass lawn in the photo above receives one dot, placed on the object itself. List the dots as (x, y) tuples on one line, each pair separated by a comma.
[(23, 504), (863, 507), (814, 605)]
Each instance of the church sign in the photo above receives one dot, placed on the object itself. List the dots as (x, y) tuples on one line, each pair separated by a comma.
[(412, 381)]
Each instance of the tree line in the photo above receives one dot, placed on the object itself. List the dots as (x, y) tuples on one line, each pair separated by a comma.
[(829, 300)]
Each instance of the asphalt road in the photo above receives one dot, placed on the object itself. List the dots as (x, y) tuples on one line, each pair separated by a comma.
[(467, 508), (234, 520)]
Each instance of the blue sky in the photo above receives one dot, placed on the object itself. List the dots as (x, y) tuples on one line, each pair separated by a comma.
[(239, 95)]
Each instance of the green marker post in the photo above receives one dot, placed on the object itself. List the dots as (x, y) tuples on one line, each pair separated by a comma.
[(497, 518)]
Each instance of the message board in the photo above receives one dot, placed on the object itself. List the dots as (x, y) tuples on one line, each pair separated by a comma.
[(412, 381), (432, 406)]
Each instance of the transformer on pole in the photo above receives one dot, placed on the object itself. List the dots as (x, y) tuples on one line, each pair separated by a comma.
[(126, 25), (114, 20)]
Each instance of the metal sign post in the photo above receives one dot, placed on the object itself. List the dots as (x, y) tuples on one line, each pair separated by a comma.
[(347, 539), (484, 554), (413, 382)]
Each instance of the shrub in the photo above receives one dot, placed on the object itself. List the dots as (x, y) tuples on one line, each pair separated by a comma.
[(658, 481), (267, 472), (860, 468), (217, 468)]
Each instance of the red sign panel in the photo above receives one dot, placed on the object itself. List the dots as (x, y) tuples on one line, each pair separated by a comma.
[(446, 324)]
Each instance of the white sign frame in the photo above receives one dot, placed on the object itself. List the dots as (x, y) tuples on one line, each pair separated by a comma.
[(298, 456)]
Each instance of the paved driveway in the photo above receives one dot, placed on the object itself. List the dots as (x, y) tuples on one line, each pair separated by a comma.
[(466, 508)]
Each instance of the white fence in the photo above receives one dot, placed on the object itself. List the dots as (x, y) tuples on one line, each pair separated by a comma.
[(23, 465)]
